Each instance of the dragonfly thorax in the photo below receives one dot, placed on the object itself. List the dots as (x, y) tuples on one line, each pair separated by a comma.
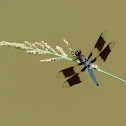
[(84, 60), (87, 63)]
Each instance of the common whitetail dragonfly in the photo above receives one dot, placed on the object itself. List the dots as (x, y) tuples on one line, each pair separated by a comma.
[(79, 72)]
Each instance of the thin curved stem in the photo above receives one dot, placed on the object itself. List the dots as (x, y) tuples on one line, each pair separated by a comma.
[(110, 75)]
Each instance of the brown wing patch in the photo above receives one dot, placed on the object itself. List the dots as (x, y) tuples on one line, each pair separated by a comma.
[(73, 80), (76, 79), (101, 41), (99, 45), (69, 71), (104, 54)]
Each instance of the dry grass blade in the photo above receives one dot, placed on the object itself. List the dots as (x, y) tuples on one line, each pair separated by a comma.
[(51, 59), (61, 51), (70, 49)]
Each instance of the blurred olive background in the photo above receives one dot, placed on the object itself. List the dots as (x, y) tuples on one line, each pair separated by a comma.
[(30, 93)]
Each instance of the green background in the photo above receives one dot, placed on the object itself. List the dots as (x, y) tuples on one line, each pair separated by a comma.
[(30, 93)]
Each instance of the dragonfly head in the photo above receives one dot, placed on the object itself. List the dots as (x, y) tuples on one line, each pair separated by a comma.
[(78, 53)]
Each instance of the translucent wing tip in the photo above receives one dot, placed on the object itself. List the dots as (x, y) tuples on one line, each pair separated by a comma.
[(112, 44), (65, 85), (104, 35), (60, 75)]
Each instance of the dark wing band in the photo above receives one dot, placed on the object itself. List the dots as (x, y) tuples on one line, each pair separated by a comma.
[(104, 54), (99, 45), (69, 71), (76, 79)]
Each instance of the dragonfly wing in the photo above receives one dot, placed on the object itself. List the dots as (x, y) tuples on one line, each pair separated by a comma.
[(69, 71), (104, 54), (98, 46), (76, 79)]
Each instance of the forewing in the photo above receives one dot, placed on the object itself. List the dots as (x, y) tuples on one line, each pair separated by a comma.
[(69, 71), (99, 45)]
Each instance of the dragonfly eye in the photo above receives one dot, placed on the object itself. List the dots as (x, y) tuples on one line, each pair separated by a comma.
[(77, 53)]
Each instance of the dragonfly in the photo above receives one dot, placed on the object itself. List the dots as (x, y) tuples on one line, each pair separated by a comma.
[(79, 72)]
